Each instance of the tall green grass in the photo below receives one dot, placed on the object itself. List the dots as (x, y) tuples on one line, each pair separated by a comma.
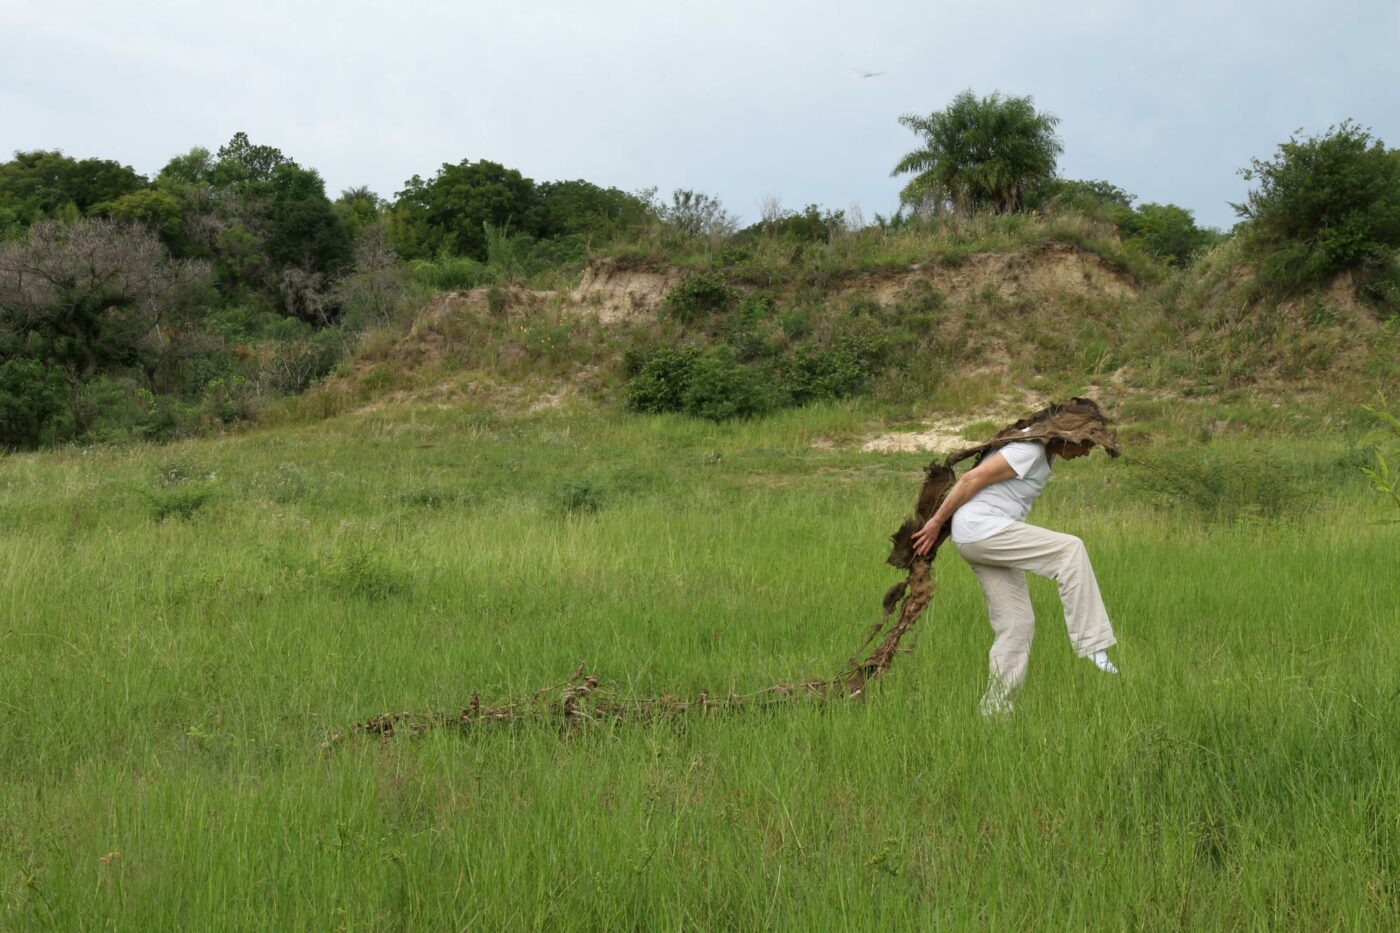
[(183, 627)]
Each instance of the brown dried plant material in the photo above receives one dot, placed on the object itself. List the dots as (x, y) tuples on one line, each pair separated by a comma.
[(581, 700)]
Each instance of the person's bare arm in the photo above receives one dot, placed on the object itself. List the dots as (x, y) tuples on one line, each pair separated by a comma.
[(992, 470)]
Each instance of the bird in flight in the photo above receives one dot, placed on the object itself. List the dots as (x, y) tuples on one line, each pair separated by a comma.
[(867, 74)]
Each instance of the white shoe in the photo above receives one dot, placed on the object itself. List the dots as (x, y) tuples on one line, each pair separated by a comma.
[(994, 707), (1101, 661), (996, 701)]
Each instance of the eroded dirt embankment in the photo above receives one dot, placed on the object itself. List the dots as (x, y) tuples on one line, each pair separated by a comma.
[(615, 291)]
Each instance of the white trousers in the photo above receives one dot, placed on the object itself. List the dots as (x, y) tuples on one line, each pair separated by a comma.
[(1001, 562)]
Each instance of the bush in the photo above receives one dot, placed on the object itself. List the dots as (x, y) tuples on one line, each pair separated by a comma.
[(697, 297), (721, 388), (1167, 232), (1325, 205), (33, 404), (817, 373), (706, 384), (658, 382)]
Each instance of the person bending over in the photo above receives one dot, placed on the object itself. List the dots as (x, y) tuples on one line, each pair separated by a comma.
[(988, 506)]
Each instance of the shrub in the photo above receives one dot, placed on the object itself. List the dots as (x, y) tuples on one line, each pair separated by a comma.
[(706, 384), (721, 388), (697, 297), (180, 501), (658, 382), (1167, 232), (33, 404), (816, 372), (1325, 205)]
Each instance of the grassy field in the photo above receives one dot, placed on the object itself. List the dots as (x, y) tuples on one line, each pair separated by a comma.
[(183, 627)]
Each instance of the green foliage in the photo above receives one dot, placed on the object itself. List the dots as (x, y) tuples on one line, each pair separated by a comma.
[(240, 162), (41, 184), (810, 225), (34, 406), (979, 154), (582, 208), (450, 211), (180, 501), (94, 295), (697, 297), (1324, 205), (695, 214), (303, 229), (707, 384), (1167, 232), (449, 273), (359, 209), (1230, 484), (578, 497), (1086, 196), (658, 381), (1384, 478), (821, 373), (721, 388), (154, 208)]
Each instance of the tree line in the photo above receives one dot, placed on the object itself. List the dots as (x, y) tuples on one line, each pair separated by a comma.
[(135, 306)]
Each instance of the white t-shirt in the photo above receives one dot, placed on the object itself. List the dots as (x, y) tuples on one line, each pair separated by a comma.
[(994, 507)]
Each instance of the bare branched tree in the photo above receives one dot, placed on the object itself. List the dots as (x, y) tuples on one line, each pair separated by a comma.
[(696, 214), (92, 294), (371, 293)]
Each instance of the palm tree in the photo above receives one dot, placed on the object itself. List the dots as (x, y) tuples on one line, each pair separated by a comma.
[(979, 153)]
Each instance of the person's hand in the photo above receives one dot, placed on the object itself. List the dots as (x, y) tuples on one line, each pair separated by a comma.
[(925, 536)]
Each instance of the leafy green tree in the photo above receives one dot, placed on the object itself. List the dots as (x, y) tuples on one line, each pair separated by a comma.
[(360, 209), (154, 208), (1167, 232), (583, 208), (48, 184), (449, 212), (979, 154), (33, 403), (239, 161), (302, 228), (195, 167), (1324, 205), (1091, 196)]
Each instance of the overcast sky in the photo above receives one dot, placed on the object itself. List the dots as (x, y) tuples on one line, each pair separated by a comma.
[(743, 100)]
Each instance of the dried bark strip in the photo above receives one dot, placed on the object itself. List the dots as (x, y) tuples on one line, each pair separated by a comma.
[(581, 701)]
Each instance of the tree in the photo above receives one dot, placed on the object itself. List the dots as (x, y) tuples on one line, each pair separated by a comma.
[(156, 209), (448, 213), (581, 207), (1167, 232), (302, 227), (93, 295), (979, 154), (359, 209), (1325, 205), (239, 161), (694, 213), (1089, 196), (44, 184)]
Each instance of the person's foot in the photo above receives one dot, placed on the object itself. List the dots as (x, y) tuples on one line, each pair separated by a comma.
[(997, 700), (994, 707), (1101, 661)]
